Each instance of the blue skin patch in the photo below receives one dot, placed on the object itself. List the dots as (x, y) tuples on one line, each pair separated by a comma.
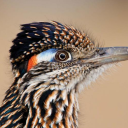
[(48, 55)]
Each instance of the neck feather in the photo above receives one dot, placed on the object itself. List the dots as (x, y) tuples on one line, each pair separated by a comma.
[(11, 111), (52, 108)]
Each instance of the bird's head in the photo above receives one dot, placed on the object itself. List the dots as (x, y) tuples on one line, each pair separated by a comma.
[(61, 54)]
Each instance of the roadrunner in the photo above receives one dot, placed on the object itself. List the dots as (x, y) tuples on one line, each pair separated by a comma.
[(51, 63)]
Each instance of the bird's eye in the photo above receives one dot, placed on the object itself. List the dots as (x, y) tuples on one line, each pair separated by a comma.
[(62, 55)]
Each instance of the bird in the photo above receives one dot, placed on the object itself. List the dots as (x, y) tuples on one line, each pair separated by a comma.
[(52, 63)]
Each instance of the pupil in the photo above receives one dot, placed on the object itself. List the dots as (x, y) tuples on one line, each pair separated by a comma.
[(62, 56)]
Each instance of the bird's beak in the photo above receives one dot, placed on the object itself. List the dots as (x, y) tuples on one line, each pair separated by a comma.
[(108, 55)]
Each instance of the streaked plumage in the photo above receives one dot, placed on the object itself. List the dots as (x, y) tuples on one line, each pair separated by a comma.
[(51, 62)]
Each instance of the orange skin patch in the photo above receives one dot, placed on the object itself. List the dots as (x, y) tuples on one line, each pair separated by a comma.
[(32, 62)]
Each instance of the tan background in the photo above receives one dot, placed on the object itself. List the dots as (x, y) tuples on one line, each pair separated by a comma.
[(105, 103)]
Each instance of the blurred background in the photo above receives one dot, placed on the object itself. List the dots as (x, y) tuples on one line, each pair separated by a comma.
[(104, 104)]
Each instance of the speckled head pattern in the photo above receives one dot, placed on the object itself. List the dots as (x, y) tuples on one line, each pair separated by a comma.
[(39, 36)]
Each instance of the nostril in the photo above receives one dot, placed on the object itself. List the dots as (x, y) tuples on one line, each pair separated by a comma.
[(102, 52)]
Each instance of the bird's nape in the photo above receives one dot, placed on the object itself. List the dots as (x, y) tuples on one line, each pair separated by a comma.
[(51, 62)]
